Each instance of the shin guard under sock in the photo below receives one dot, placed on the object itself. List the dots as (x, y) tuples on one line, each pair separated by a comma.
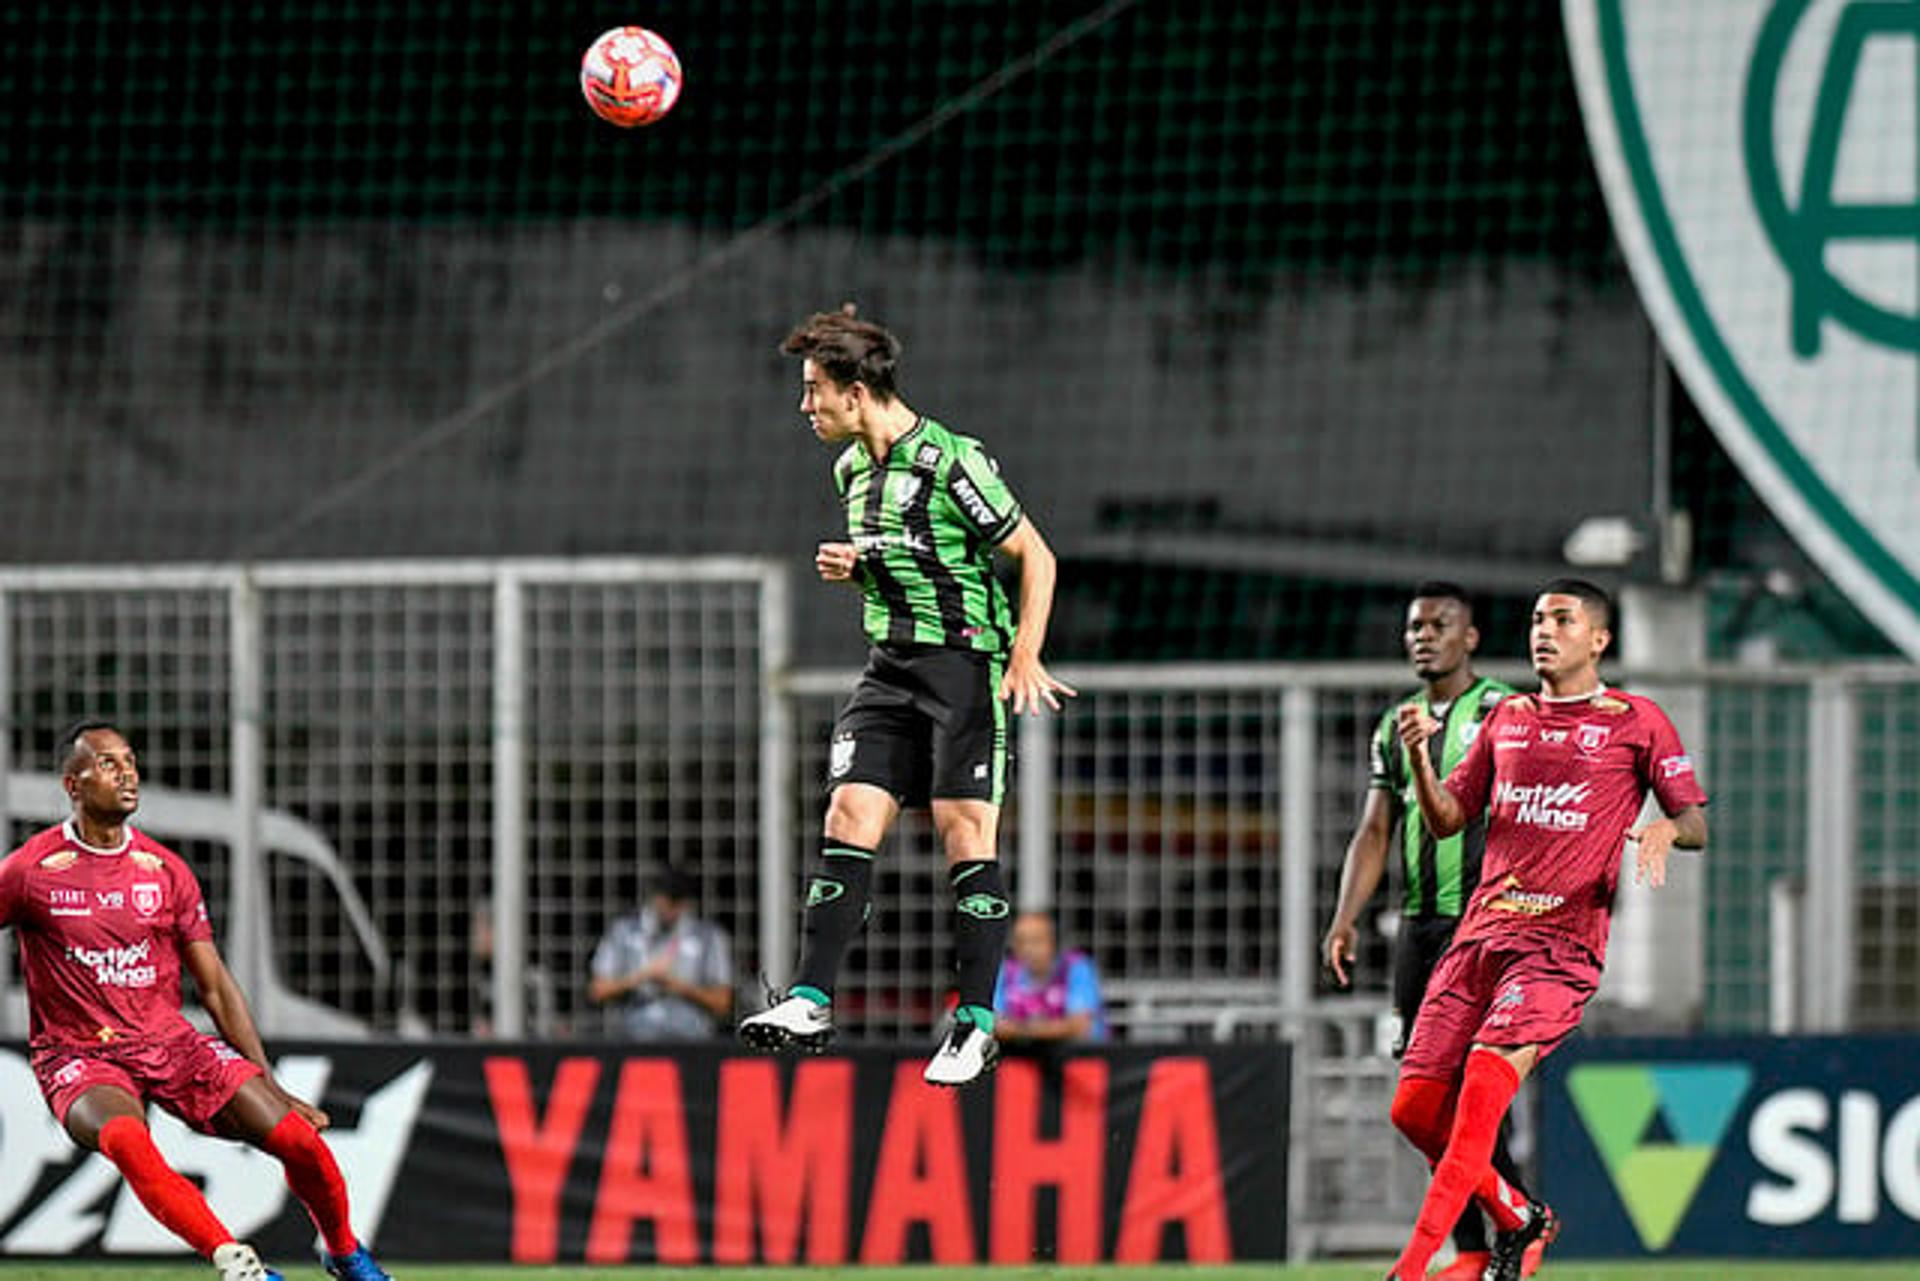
[(836, 912), (169, 1196), (1485, 1093), (981, 918), (315, 1178)]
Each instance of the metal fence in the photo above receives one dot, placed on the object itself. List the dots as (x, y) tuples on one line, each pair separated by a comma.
[(417, 792)]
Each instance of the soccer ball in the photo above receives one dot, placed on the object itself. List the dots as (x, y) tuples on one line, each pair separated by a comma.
[(630, 77)]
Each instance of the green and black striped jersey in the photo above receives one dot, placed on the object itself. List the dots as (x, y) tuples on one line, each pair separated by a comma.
[(925, 523), (1440, 876)]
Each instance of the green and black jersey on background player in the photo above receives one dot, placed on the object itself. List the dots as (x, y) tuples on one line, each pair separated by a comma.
[(1439, 876), (924, 523)]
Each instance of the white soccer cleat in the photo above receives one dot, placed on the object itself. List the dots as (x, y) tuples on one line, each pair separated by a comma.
[(799, 1022), (238, 1262), (966, 1055)]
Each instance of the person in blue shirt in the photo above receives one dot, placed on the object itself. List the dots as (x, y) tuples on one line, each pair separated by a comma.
[(1044, 994)]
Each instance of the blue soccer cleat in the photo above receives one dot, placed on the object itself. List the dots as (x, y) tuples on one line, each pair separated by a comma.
[(358, 1266)]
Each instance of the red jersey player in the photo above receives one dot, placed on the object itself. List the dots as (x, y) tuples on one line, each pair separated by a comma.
[(107, 918), (1562, 775)]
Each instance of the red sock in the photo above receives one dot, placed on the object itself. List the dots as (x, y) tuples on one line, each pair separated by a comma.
[(315, 1179), (1423, 1111), (1485, 1092), (168, 1195)]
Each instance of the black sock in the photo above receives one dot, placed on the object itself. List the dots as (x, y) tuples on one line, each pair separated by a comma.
[(835, 912), (981, 917)]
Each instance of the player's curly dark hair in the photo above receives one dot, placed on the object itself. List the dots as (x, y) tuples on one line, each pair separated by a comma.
[(848, 350)]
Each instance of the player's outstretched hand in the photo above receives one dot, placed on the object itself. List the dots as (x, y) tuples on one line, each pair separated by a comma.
[(835, 561), (1029, 685), (1652, 841)]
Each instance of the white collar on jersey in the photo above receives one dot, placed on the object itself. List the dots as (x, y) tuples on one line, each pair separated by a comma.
[(1587, 697), (73, 837)]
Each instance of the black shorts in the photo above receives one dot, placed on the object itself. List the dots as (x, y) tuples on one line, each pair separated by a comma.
[(1423, 941), (925, 722)]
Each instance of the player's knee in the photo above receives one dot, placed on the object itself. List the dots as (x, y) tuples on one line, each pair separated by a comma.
[(967, 831), (858, 816), (1419, 1111)]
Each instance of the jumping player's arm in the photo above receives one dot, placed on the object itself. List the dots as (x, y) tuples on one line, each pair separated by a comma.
[(837, 563), (1360, 875), (220, 995), (1027, 682), (837, 560)]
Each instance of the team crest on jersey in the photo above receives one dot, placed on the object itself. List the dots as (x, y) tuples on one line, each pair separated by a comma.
[(909, 489), (146, 897), (1591, 738), (59, 860)]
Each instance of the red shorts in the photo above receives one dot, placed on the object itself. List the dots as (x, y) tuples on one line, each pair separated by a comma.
[(191, 1076), (1517, 990)]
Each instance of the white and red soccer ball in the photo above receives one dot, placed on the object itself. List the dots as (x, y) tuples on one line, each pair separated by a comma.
[(630, 77)]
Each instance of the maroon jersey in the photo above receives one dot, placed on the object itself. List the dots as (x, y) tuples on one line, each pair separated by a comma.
[(101, 936), (1561, 782)]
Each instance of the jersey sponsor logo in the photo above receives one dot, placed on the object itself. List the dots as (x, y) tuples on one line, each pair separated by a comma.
[(69, 1071), (976, 506), (60, 860), (1675, 766), (840, 756), (110, 898), (1521, 902), (928, 456), (128, 966), (146, 897), (1515, 731), (868, 544), (68, 903), (1553, 736), (1591, 738), (824, 890), (1758, 162), (147, 862), (1554, 806)]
